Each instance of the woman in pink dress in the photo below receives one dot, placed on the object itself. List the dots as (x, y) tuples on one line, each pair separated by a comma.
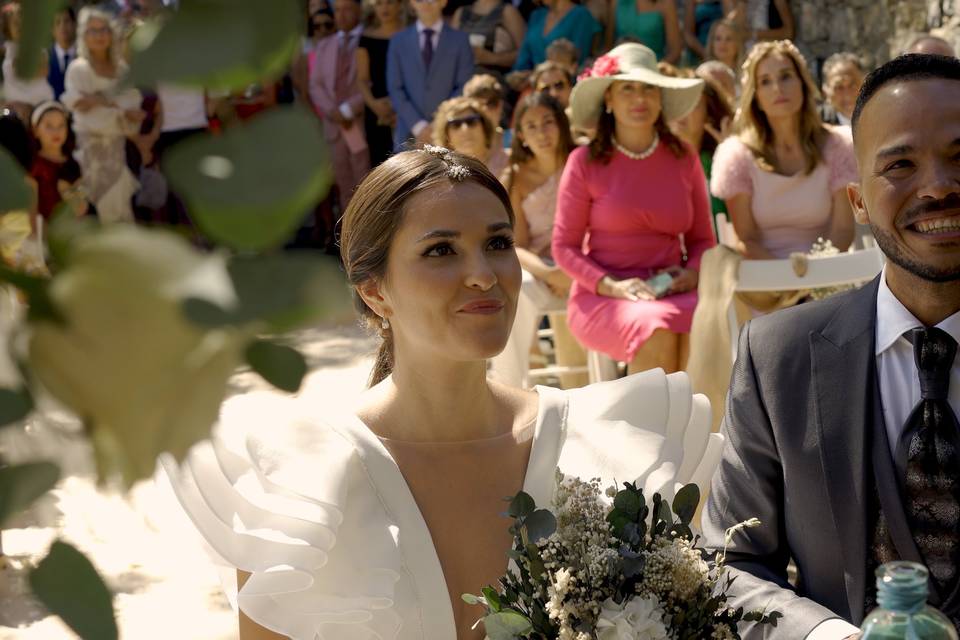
[(784, 174), (633, 206)]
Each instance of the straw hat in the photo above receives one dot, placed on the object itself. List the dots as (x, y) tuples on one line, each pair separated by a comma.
[(630, 62)]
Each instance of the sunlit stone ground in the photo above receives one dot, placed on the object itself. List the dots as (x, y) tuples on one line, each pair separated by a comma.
[(165, 588)]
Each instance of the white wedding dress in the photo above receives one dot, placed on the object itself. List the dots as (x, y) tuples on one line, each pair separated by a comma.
[(318, 512)]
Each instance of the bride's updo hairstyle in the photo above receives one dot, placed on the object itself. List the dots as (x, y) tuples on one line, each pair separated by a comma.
[(376, 211)]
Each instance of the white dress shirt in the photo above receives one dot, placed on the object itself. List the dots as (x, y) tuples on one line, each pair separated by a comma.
[(435, 40), (62, 53), (899, 393)]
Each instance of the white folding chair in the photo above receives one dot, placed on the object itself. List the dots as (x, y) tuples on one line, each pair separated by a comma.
[(778, 275)]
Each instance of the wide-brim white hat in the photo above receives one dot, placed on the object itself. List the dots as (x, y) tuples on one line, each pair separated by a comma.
[(630, 62)]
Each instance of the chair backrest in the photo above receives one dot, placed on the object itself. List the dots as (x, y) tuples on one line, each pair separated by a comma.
[(778, 275), (828, 271), (725, 232)]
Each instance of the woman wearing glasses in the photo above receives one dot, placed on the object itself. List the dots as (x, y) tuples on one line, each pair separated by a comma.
[(103, 116), (461, 125)]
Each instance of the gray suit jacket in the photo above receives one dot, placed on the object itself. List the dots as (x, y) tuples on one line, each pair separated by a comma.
[(804, 427)]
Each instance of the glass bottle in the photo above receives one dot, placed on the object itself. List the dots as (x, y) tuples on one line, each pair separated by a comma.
[(903, 613)]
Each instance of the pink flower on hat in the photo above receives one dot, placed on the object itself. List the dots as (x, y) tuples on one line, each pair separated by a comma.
[(602, 67)]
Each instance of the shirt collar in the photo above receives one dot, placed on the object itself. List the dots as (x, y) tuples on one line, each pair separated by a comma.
[(437, 27), (894, 319), (842, 119), (61, 51)]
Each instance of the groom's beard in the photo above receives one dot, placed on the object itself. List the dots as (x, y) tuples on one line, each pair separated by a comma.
[(927, 272)]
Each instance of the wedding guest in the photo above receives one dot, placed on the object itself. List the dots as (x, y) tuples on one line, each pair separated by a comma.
[(103, 116), (704, 128), (319, 26), (488, 91), (764, 20), (63, 50), (841, 419), (461, 125), (373, 521), (842, 77), (554, 80), (699, 17), (379, 118), (631, 206), (725, 43), (554, 20), (566, 54), (334, 93), (496, 30), (427, 63), (931, 44), (723, 78), (21, 95), (54, 171), (783, 175), (653, 23), (539, 151)]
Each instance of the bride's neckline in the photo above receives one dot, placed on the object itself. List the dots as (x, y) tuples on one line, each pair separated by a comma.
[(517, 434)]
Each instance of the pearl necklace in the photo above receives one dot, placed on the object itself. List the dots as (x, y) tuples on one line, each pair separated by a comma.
[(643, 155)]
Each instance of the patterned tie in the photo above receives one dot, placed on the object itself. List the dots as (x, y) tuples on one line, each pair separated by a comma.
[(427, 47), (932, 483)]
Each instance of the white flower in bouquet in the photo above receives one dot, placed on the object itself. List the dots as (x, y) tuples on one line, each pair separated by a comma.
[(125, 359), (639, 618), (675, 570)]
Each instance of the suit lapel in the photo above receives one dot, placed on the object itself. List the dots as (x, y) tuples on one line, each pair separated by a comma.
[(443, 44), (843, 373)]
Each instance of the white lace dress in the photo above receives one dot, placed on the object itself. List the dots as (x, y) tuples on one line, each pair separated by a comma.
[(320, 515), (101, 136)]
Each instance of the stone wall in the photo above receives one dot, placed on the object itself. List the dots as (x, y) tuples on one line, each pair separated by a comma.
[(874, 29)]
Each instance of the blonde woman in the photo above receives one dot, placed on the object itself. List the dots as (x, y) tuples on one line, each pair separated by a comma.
[(725, 43), (783, 175), (460, 124), (103, 116)]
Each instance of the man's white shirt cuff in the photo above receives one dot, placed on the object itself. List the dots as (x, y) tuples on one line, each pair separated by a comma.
[(346, 111)]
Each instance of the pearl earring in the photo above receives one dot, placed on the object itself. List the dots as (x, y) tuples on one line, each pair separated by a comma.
[(385, 324), (609, 110)]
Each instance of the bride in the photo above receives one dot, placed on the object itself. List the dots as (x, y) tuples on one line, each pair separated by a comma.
[(371, 526)]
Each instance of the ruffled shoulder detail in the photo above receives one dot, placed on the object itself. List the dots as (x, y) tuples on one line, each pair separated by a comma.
[(648, 427), (732, 170), (281, 496), (840, 158)]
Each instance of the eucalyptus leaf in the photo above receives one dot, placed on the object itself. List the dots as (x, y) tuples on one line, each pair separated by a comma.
[(21, 484), (282, 366), (541, 524), (15, 193), (506, 625), (629, 502), (217, 44), (313, 289), (471, 599), (250, 187), (685, 502), (492, 598), (15, 404), (35, 35), (521, 505), (70, 587)]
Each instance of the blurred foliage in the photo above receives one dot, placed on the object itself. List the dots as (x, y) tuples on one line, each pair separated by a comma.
[(36, 33)]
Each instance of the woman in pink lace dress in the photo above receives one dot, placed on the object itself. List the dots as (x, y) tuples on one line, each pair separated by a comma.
[(784, 175), (632, 206)]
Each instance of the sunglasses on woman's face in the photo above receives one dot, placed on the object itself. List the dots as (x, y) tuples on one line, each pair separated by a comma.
[(470, 121), (559, 85)]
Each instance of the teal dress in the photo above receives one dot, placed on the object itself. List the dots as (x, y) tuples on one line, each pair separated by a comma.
[(646, 26), (578, 26)]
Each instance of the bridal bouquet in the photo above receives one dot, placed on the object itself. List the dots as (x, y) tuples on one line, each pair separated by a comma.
[(593, 570)]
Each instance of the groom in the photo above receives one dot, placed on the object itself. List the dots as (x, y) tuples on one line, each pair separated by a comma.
[(842, 435)]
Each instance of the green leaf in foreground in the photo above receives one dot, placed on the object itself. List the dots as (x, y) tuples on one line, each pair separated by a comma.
[(70, 587), (685, 502), (21, 484), (217, 44), (506, 625), (35, 35), (313, 289), (15, 194), (251, 187), (15, 404), (278, 364)]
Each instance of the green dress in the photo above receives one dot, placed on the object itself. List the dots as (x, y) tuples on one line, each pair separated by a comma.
[(646, 26)]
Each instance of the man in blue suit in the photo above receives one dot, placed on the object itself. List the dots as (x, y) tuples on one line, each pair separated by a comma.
[(426, 64), (64, 49)]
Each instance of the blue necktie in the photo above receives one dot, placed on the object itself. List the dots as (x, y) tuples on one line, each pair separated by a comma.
[(427, 47)]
